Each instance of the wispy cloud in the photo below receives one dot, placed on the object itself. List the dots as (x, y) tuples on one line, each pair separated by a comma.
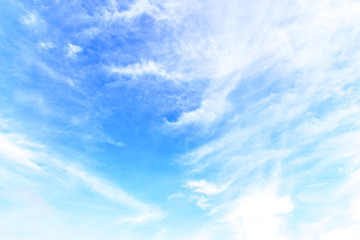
[(350, 233), (33, 21), (145, 68), (205, 187), (169, 11), (17, 154), (277, 43), (135, 10), (16, 149), (289, 105), (54, 75)]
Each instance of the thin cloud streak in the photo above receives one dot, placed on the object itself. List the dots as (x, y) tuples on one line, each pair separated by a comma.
[(145, 68), (33, 160)]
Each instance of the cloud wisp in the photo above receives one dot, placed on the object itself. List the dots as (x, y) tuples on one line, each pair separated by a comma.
[(37, 163)]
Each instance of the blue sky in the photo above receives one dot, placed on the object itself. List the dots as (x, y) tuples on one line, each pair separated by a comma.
[(197, 120)]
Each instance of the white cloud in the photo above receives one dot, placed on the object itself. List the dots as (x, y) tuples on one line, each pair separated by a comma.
[(46, 45), (202, 193), (34, 22), (170, 11), (201, 202), (112, 14), (72, 50), (104, 189), (350, 233), (299, 119), (296, 116), (32, 156), (240, 41), (115, 143), (355, 207), (138, 8), (205, 187), (145, 68), (30, 19), (329, 122), (224, 151), (176, 195), (353, 180), (257, 215), (209, 111), (13, 152)]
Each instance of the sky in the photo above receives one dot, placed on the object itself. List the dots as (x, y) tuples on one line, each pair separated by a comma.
[(174, 120)]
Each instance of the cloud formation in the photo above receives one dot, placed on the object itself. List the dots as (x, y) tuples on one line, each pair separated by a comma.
[(247, 110)]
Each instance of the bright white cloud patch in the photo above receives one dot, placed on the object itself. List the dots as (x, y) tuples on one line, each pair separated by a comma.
[(350, 233), (257, 215), (17, 154), (145, 68), (72, 50)]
